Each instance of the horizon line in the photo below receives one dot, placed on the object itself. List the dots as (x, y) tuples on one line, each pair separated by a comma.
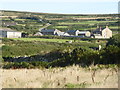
[(60, 13)]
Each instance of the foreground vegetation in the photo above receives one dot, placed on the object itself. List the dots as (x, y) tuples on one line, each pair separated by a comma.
[(67, 77)]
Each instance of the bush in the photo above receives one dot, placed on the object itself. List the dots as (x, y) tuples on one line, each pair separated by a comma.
[(39, 64), (115, 40), (18, 65), (110, 55)]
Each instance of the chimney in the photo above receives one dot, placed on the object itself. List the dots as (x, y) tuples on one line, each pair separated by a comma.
[(100, 29), (106, 26), (99, 47), (97, 26)]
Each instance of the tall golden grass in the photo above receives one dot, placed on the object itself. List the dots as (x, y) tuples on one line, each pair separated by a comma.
[(59, 77)]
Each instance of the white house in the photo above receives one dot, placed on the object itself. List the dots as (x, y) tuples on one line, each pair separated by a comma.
[(106, 33), (8, 33)]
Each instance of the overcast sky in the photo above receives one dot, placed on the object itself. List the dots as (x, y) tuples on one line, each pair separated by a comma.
[(62, 6)]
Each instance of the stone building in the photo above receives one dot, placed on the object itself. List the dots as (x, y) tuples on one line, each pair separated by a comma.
[(102, 33)]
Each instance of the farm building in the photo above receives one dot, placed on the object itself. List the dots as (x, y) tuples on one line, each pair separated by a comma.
[(8, 33), (62, 34), (84, 34), (50, 31), (38, 34), (73, 32), (59, 33), (79, 33), (102, 33), (65, 34)]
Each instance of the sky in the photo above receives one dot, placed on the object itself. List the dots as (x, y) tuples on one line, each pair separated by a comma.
[(62, 6)]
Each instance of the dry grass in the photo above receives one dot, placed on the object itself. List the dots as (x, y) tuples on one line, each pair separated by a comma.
[(59, 78)]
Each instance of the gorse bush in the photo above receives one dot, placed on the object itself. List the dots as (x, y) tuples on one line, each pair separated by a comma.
[(110, 55), (78, 56), (84, 57), (18, 65), (115, 40)]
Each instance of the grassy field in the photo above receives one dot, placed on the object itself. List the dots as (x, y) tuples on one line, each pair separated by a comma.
[(85, 22), (20, 19), (33, 46), (31, 24), (113, 27), (46, 40), (68, 77), (60, 26)]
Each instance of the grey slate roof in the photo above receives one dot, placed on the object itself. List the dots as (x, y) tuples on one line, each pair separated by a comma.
[(97, 31), (8, 30), (48, 30), (71, 31)]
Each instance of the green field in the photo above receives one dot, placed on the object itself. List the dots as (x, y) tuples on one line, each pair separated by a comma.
[(45, 40), (42, 39), (85, 22), (20, 19), (33, 46), (61, 27), (30, 22), (113, 27)]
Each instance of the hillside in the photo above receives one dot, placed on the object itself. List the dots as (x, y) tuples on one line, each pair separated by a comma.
[(31, 22)]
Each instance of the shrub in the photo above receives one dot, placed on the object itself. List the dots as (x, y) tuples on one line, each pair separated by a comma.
[(110, 55), (39, 64), (115, 40)]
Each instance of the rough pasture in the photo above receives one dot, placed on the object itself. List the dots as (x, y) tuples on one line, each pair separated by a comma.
[(68, 77)]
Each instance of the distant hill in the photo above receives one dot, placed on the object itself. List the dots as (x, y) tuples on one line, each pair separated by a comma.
[(31, 22)]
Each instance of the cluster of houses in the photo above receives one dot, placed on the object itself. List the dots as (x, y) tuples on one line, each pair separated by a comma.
[(98, 33)]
